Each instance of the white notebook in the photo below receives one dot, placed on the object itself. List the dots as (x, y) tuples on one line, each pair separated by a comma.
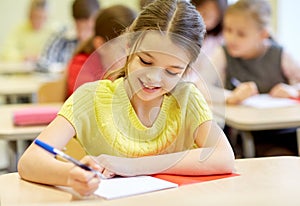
[(127, 186), (266, 101)]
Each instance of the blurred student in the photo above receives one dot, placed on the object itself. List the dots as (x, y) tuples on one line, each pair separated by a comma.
[(204, 74), (212, 12), (62, 45), (250, 62), (26, 41), (110, 23)]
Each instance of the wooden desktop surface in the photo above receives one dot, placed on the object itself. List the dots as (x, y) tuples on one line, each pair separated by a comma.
[(10, 68), (262, 181), (13, 86), (249, 118)]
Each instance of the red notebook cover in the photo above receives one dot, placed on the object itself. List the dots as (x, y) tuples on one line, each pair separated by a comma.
[(184, 180), (34, 116)]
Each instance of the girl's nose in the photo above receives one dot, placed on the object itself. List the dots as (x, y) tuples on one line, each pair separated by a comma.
[(154, 75)]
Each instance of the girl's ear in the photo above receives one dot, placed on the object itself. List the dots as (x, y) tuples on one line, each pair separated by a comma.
[(98, 41)]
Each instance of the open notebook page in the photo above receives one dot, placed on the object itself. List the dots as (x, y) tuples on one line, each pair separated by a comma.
[(267, 101), (127, 186)]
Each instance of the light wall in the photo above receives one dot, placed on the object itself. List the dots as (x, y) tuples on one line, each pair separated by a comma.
[(288, 31), (13, 12)]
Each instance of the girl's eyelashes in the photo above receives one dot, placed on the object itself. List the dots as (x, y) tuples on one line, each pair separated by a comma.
[(171, 73), (144, 62)]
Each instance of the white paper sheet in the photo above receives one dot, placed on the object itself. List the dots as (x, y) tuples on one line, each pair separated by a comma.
[(127, 186), (267, 101)]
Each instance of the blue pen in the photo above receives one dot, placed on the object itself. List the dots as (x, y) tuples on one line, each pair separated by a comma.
[(235, 82), (57, 152)]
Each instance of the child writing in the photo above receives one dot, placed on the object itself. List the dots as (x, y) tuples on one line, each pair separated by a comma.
[(250, 62), (146, 121), (109, 24)]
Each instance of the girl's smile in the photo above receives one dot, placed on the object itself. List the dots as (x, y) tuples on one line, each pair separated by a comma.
[(148, 87)]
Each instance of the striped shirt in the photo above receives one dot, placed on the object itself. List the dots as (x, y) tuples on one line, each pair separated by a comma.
[(59, 50)]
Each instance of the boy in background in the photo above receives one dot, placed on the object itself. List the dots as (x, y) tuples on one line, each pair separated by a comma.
[(61, 47)]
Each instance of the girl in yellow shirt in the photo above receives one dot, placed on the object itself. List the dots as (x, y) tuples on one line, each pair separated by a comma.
[(147, 120)]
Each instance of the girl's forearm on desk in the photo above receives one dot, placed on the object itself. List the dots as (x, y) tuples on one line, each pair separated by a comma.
[(201, 161)]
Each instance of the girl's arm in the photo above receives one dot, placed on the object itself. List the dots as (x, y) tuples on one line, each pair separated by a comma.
[(214, 157), (291, 70), (37, 165)]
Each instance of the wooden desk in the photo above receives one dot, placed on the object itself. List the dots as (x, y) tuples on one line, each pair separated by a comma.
[(247, 119), (16, 135), (16, 67), (262, 181), (14, 85)]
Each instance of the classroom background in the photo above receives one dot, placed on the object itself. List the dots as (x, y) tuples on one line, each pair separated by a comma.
[(285, 16)]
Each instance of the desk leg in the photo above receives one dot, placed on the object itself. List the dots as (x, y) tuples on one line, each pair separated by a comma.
[(15, 150), (13, 157), (248, 144), (298, 140)]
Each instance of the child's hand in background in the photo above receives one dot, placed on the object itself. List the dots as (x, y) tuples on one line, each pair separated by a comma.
[(242, 92), (284, 91)]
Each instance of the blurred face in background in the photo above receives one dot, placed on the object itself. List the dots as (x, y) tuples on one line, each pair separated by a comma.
[(210, 13), (38, 18), (242, 35), (85, 28)]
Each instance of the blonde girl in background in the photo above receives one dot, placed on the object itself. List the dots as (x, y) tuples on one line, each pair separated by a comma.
[(251, 62), (250, 56)]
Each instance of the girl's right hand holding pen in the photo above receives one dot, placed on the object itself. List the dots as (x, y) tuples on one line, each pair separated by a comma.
[(241, 92), (82, 181)]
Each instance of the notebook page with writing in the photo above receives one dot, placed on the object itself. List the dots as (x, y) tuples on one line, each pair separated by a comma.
[(128, 186)]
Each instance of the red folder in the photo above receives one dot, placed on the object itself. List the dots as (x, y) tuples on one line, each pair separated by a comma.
[(184, 180)]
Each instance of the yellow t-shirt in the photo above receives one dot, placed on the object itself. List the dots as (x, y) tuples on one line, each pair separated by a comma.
[(24, 42), (106, 123)]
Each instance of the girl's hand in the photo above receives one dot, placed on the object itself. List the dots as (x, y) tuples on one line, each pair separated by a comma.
[(82, 181), (242, 92), (284, 91)]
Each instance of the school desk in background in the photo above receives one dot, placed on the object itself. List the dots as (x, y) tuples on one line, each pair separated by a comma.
[(17, 136), (258, 116)]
